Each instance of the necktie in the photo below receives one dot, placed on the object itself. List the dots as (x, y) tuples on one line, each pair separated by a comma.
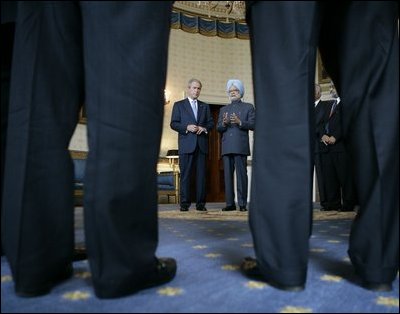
[(333, 108), (194, 107), (330, 115)]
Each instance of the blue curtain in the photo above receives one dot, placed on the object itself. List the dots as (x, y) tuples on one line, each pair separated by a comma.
[(209, 27)]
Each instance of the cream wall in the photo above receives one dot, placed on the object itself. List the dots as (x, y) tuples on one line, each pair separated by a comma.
[(79, 139), (212, 60)]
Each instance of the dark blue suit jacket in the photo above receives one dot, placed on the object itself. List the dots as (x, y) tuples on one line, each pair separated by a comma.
[(182, 116), (335, 127)]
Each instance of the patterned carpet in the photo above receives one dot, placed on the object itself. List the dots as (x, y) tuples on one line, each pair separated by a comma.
[(209, 248), (214, 213)]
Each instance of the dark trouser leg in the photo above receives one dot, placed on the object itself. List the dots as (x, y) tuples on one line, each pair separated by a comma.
[(185, 166), (320, 180), (7, 40), (283, 51), (369, 45), (331, 181), (46, 92), (241, 178), (228, 177), (345, 175), (125, 71), (200, 178)]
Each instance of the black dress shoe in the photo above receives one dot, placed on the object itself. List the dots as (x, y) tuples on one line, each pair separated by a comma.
[(288, 288), (80, 254), (229, 208), (65, 274), (165, 272), (201, 209), (184, 209), (378, 287), (243, 209), (250, 268)]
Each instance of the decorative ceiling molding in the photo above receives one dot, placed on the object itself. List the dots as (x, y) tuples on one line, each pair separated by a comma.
[(201, 10), (189, 17)]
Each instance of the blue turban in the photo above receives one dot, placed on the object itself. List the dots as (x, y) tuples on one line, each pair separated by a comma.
[(238, 84)]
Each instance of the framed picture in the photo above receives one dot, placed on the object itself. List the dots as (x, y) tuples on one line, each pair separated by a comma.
[(323, 76), (82, 115)]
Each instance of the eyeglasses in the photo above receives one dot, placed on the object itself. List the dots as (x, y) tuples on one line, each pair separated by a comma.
[(234, 91)]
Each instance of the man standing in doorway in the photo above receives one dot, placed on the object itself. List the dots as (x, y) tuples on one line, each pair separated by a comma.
[(335, 171), (192, 119)]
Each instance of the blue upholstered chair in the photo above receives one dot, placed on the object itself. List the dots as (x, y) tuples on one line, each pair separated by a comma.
[(168, 184), (79, 160)]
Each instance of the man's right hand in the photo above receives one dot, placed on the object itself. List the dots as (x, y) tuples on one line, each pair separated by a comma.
[(325, 139)]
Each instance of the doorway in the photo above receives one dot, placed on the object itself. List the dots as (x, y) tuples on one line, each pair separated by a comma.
[(215, 167), (215, 183)]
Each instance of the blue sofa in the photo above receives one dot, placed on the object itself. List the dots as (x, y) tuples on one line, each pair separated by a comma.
[(167, 182)]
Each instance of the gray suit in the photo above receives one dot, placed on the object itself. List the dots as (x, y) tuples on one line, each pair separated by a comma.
[(235, 149)]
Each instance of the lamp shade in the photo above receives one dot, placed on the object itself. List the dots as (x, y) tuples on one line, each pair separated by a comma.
[(172, 153)]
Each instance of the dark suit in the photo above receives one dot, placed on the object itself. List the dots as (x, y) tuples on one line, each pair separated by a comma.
[(359, 42), (8, 18), (112, 57), (319, 116), (336, 174), (193, 148), (235, 149)]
